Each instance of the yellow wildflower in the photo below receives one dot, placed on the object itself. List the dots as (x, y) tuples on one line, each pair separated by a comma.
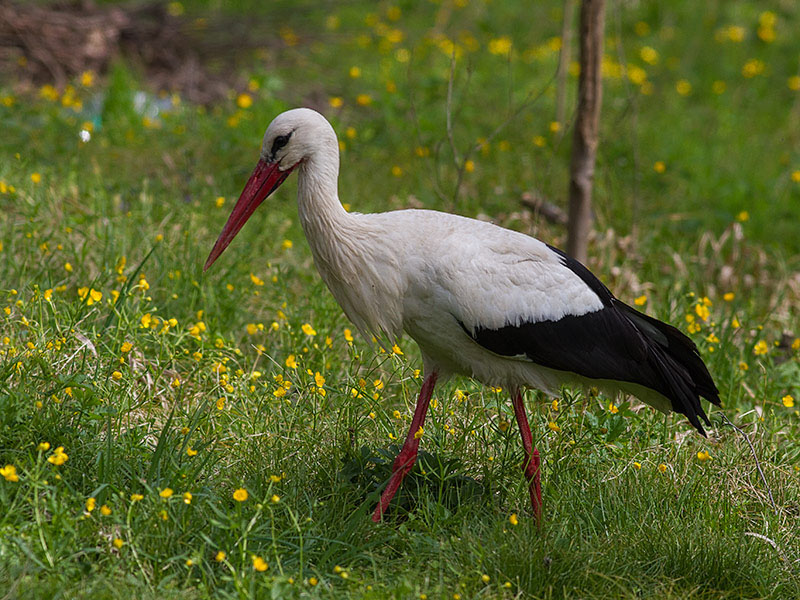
[(554, 426), (308, 329), (244, 100), (640, 300), (259, 564), (118, 543), (760, 348), (500, 46), (683, 87), (187, 497), (105, 510), (256, 279), (753, 67), (291, 361), (240, 495), (91, 503), (648, 55), (43, 446), (90, 295), (735, 33), (9, 473), (58, 457), (166, 492), (513, 519), (702, 311), (220, 556), (788, 401), (703, 456), (49, 92)]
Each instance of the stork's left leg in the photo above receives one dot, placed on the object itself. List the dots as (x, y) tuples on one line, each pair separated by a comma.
[(532, 463), (408, 455)]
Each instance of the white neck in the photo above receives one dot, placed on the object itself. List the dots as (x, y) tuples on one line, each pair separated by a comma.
[(348, 253), (321, 213)]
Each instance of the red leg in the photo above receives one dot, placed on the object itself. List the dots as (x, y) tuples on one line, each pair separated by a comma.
[(532, 463), (408, 455)]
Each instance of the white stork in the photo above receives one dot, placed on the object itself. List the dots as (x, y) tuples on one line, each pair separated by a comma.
[(480, 300)]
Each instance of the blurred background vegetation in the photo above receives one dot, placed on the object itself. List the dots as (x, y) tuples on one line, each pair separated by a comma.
[(128, 131)]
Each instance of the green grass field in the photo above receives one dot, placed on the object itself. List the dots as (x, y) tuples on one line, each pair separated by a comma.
[(166, 433)]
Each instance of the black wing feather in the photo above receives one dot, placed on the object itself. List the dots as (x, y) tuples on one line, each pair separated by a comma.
[(617, 343)]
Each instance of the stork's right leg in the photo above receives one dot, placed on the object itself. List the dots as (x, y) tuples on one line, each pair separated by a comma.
[(532, 463), (408, 455)]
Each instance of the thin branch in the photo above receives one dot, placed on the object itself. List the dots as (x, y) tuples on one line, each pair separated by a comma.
[(448, 108), (435, 177), (633, 104), (755, 458), (529, 101)]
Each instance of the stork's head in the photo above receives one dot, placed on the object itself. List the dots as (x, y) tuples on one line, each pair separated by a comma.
[(293, 137)]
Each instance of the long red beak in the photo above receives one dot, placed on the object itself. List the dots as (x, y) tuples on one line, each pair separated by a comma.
[(266, 178)]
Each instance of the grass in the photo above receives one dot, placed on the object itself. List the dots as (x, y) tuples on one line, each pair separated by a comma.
[(152, 376)]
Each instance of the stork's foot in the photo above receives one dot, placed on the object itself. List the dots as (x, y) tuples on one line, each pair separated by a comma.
[(408, 455), (532, 461), (402, 465)]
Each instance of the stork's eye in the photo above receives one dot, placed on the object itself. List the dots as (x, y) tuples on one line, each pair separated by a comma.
[(280, 142)]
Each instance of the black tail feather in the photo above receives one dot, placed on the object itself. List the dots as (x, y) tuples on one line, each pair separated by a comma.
[(676, 359)]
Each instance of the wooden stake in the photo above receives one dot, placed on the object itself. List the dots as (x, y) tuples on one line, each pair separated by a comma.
[(584, 139)]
